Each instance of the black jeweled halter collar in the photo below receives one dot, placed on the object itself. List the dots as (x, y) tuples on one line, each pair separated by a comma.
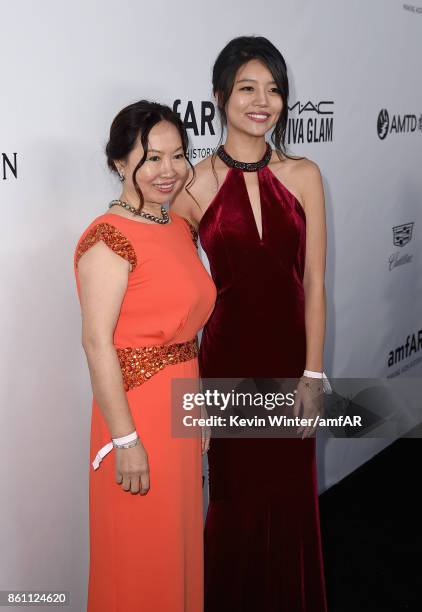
[(245, 166)]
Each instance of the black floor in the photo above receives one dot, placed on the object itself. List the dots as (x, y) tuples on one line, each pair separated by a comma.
[(372, 534)]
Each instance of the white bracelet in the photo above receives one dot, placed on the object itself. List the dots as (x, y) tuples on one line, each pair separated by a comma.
[(312, 374), (325, 382), (105, 450), (125, 439)]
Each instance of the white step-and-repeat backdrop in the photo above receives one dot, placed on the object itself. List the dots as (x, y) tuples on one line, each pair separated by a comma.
[(66, 69)]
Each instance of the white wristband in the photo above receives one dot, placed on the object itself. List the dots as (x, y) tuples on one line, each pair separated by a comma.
[(325, 382), (126, 439), (311, 374), (105, 450)]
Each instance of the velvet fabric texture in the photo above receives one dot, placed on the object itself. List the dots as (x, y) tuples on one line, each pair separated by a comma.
[(262, 535)]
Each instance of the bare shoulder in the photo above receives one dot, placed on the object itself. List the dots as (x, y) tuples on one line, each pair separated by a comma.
[(204, 166), (308, 169), (300, 175), (209, 173), (199, 189), (304, 164), (301, 168)]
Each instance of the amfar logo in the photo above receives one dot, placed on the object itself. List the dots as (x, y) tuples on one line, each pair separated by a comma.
[(398, 124), (314, 122), (198, 121), (402, 234), (9, 167), (191, 119), (412, 345)]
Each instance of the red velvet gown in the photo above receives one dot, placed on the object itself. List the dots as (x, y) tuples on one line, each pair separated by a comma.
[(262, 535)]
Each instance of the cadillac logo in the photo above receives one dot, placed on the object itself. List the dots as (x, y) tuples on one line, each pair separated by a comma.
[(402, 234)]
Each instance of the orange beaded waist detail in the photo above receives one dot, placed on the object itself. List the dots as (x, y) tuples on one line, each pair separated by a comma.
[(139, 364)]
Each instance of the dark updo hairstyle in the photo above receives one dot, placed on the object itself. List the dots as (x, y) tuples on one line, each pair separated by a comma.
[(235, 54), (135, 120)]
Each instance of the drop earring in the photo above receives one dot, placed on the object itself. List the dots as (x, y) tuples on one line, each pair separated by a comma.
[(121, 176)]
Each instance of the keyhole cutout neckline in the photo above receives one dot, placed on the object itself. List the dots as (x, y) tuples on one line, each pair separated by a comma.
[(249, 167), (248, 197), (264, 175)]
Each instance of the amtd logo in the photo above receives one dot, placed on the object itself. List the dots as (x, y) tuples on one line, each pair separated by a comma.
[(383, 123), (398, 124)]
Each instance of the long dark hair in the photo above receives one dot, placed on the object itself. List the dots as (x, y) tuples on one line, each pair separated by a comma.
[(135, 120), (235, 54)]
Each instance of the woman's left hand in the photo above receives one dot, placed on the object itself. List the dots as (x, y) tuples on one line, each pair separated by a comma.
[(205, 432), (308, 404)]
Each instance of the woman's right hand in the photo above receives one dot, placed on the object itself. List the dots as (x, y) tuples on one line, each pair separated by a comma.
[(132, 469)]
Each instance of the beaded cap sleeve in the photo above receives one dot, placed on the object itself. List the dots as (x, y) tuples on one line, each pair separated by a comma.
[(113, 238)]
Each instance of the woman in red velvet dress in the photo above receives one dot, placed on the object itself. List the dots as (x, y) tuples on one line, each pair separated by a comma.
[(261, 221)]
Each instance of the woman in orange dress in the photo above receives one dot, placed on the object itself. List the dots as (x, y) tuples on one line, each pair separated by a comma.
[(144, 295)]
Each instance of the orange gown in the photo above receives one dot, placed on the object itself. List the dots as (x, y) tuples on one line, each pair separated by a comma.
[(146, 552)]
